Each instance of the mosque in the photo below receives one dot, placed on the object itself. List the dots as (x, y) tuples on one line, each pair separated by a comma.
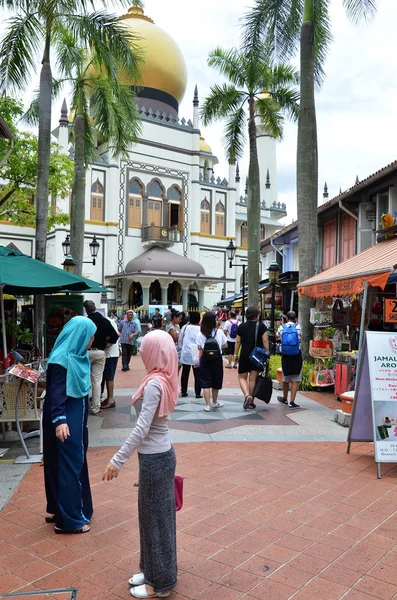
[(164, 217)]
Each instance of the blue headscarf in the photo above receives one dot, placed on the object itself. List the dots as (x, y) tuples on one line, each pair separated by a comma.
[(70, 351)]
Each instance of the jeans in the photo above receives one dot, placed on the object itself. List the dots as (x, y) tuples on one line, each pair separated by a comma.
[(185, 379), (126, 353), (97, 360)]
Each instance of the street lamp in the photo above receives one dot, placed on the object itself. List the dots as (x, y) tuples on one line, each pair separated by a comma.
[(93, 246), (230, 253), (68, 264), (274, 270)]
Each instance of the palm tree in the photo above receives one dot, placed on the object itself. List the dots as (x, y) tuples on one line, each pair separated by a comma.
[(104, 112), (261, 92), (31, 33), (284, 25)]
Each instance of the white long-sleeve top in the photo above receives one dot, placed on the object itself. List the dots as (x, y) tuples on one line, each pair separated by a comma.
[(150, 434)]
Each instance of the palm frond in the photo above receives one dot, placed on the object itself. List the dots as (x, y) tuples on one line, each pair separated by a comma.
[(279, 76), (229, 63), (235, 136), (358, 10), (322, 38), (70, 55), (18, 51), (31, 116), (221, 102), (287, 102), (276, 23), (270, 116)]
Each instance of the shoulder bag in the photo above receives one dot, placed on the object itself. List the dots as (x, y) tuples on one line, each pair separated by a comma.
[(258, 357)]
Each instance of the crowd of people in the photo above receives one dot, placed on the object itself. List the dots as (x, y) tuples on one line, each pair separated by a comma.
[(84, 359)]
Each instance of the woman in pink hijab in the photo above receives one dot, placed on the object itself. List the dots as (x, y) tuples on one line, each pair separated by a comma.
[(155, 399)]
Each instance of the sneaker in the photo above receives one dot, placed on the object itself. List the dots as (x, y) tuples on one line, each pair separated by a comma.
[(207, 408), (293, 405), (217, 405), (282, 400)]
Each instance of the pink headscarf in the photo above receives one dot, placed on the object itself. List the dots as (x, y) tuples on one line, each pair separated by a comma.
[(160, 358)]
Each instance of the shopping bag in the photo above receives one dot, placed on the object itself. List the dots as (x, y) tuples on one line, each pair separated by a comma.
[(355, 314), (263, 387), (340, 315), (312, 378), (325, 377), (178, 486), (320, 348), (195, 355)]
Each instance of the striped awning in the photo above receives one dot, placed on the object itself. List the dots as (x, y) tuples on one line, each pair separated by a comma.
[(374, 265)]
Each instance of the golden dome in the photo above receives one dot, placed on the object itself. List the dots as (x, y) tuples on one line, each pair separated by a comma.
[(204, 147), (165, 67)]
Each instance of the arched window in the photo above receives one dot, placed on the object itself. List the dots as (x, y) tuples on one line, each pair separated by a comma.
[(220, 219), (155, 190), (244, 235), (135, 190), (97, 201), (154, 207), (175, 208), (205, 216)]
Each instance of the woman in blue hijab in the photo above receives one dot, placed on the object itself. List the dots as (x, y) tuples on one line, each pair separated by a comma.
[(65, 433)]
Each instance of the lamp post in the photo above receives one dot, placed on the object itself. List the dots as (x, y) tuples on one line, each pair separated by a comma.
[(231, 252), (274, 270), (69, 263)]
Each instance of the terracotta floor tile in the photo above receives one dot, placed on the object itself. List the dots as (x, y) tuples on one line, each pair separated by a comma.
[(277, 553), (16, 559), (34, 570), (344, 576), (290, 576), (204, 548), (249, 544), (294, 542), (384, 573), (84, 567), (260, 566), (322, 551), (376, 587), (225, 536), (210, 569), (220, 592), (187, 560), (243, 581), (190, 585), (271, 590), (10, 582), (232, 557), (310, 564), (324, 589)]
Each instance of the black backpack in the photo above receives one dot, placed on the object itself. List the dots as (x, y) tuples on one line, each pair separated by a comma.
[(211, 349)]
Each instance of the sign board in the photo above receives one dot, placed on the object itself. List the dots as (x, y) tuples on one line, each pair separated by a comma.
[(374, 417), (390, 310), (25, 373), (163, 308), (382, 358)]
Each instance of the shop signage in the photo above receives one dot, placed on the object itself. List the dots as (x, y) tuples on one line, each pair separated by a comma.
[(390, 310), (374, 416)]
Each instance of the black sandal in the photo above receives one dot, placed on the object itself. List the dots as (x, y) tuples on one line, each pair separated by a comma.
[(50, 519), (248, 400), (80, 530)]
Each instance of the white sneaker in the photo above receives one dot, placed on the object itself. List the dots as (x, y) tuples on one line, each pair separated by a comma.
[(207, 408), (137, 579), (217, 405), (140, 592)]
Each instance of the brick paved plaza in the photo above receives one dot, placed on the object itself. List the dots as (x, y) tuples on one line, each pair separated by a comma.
[(264, 520)]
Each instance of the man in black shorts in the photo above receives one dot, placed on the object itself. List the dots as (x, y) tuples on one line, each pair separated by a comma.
[(250, 334)]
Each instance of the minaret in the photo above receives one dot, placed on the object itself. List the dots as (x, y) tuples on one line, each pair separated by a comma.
[(63, 135), (195, 107), (266, 145)]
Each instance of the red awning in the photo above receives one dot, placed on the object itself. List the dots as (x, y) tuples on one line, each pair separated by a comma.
[(373, 265)]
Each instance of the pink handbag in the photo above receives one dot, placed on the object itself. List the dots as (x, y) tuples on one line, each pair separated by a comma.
[(178, 486)]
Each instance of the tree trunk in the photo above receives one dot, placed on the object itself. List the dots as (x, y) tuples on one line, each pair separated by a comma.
[(307, 175), (43, 172), (77, 213), (253, 212)]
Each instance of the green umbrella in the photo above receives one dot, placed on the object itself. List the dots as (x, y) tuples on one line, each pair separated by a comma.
[(22, 275)]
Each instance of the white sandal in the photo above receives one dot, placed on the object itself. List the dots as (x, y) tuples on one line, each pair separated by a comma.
[(140, 592), (137, 579)]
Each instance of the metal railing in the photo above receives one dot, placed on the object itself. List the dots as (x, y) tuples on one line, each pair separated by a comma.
[(161, 234)]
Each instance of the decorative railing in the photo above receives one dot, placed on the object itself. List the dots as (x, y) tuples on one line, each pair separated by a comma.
[(161, 234)]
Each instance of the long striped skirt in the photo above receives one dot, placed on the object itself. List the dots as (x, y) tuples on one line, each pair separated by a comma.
[(157, 519)]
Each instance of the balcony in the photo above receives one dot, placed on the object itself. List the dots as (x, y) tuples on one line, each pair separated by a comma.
[(162, 236)]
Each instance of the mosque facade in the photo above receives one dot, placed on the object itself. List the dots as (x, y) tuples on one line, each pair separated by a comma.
[(163, 217)]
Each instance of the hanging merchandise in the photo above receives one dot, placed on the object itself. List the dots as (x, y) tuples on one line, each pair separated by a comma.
[(320, 317), (321, 375), (321, 348), (340, 315), (355, 314), (377, 307), (338, 340)]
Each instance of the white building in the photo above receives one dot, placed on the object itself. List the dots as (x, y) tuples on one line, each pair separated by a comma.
[(164, 217)]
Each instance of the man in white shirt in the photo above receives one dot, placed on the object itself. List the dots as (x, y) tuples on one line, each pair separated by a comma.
[(230, 330)]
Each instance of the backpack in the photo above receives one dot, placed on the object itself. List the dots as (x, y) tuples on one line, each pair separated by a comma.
[(290, 345), (233, 330), (211, 349)]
